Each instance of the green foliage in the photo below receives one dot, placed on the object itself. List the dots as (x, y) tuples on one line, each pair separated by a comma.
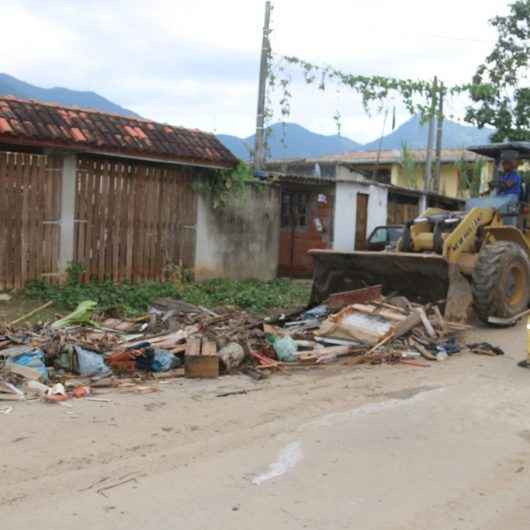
[(415, 94), (252, 295), (469, 176), (499, 99), (408, 165), (226, 187), (120, 298), (129, 299)]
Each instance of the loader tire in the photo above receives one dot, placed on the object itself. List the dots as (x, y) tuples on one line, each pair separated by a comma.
[(500, 281)]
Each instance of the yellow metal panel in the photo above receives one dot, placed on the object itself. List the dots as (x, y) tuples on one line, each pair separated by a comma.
[(463, 238), (508, 233)]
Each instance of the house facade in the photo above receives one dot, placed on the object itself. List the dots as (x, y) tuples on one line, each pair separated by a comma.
[(327, 204), (391, 167)]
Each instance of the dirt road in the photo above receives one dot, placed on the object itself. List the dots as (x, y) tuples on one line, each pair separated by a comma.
[(446, 447)]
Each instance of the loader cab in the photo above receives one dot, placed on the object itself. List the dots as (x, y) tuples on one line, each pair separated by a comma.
[(514, 210)]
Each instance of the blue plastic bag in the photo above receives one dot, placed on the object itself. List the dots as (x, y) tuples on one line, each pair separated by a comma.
[(286, 349), (90, 363), (32, 359), (164, 361)]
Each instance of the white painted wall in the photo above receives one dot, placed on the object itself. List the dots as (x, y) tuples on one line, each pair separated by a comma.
[(345, 212)]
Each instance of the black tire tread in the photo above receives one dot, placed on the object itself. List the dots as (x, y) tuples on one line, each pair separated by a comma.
[(487, 274)]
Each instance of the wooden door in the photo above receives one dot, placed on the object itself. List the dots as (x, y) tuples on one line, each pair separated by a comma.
[(361, 221)]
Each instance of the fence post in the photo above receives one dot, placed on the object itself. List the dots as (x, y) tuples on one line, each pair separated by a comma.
[(66, 252)]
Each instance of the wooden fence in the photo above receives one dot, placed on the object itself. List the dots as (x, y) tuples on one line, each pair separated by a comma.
[(30, 204), (133, 219)]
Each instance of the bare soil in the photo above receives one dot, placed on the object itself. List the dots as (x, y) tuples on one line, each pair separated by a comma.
[(384, 447)]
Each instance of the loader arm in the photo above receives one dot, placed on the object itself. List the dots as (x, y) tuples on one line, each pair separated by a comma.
[(463, 239)]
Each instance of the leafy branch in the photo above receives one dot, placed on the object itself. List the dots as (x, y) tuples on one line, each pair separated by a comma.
[(224, 187)]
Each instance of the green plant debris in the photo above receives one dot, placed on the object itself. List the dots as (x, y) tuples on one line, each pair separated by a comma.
[(81, 316)]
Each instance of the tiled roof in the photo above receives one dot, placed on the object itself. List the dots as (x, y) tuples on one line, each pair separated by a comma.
[(37, 124)]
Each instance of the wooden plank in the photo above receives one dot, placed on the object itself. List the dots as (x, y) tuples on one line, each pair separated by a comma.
[(3, 219), (18, 206), (209, 347), (103, 220), (201, 366), (427, 323), (25, 232), (193, 346), (384, 313), (94, 218), (358, 296), (131, 214), (413, 320)]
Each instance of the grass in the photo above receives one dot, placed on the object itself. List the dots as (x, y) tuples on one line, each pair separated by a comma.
[(129, 299)]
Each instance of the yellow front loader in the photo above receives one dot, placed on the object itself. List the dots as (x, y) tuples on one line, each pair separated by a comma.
[(478, 257)]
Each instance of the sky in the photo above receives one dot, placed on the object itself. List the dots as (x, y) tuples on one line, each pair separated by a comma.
[(195, 63)]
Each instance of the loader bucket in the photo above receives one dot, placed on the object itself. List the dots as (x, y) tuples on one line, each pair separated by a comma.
[(419, 277)]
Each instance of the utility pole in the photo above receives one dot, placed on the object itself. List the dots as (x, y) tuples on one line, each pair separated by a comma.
[(430, 138), (259, 149), (439, 139)]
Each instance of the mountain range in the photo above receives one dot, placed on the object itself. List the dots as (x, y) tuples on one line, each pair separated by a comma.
[(11, 86), (290, 140), (285, 140)]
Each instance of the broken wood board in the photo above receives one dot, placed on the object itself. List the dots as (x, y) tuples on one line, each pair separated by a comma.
[(201, 363), (24, 371), (358, 296), (349, 324), (427, 323), (407, 325), (380, 312)]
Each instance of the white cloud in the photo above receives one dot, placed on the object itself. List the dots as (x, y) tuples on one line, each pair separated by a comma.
[(195, 63)]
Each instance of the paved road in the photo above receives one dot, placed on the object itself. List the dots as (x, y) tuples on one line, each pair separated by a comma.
[(445, 448)]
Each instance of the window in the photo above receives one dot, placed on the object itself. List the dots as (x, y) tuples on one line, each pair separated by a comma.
[(286, 207), (379, 236), (394, 234), (294, 208)]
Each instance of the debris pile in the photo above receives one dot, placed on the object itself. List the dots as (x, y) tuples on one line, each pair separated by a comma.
[(82, 352), (365, 327), (75, 355)]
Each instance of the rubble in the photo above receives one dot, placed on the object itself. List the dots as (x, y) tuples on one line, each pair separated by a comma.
[(84, 353)]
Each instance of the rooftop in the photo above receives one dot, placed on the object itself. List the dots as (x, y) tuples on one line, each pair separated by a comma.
[(45, 125), (389, 156)]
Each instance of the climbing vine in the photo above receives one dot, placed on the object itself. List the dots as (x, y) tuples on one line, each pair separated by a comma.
[(225, 187), (494, 91)]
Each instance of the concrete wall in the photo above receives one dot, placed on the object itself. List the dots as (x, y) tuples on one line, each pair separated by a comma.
[(240, 241), (345, 212)]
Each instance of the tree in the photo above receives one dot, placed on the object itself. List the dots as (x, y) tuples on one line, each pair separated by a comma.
[(499, 99)]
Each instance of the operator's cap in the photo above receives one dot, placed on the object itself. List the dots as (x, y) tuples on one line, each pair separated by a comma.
[(509, 155)]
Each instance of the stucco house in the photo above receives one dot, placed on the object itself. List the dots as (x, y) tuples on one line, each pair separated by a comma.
[(328, 203)]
